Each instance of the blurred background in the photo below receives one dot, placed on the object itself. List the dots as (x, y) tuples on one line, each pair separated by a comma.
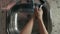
[(55, 15)]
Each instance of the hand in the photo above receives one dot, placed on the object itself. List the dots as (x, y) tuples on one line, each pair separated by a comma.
[(38, 12)]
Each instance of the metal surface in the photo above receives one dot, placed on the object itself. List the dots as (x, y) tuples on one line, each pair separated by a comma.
[(23, 8), (13, 27)]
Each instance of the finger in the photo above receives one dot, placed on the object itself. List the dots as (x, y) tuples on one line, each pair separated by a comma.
[(35, 10), (40, 8)]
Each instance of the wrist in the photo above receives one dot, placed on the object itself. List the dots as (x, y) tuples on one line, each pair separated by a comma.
[(40, 18)]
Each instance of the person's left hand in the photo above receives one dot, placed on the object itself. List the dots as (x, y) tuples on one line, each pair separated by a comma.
[(38, 12)]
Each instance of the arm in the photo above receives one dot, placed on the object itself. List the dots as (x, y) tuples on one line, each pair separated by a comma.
[(42, 27), (39, 14), (28, 28)]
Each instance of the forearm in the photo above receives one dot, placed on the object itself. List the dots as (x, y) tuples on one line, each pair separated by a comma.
[(42, 27), (28, 28)]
